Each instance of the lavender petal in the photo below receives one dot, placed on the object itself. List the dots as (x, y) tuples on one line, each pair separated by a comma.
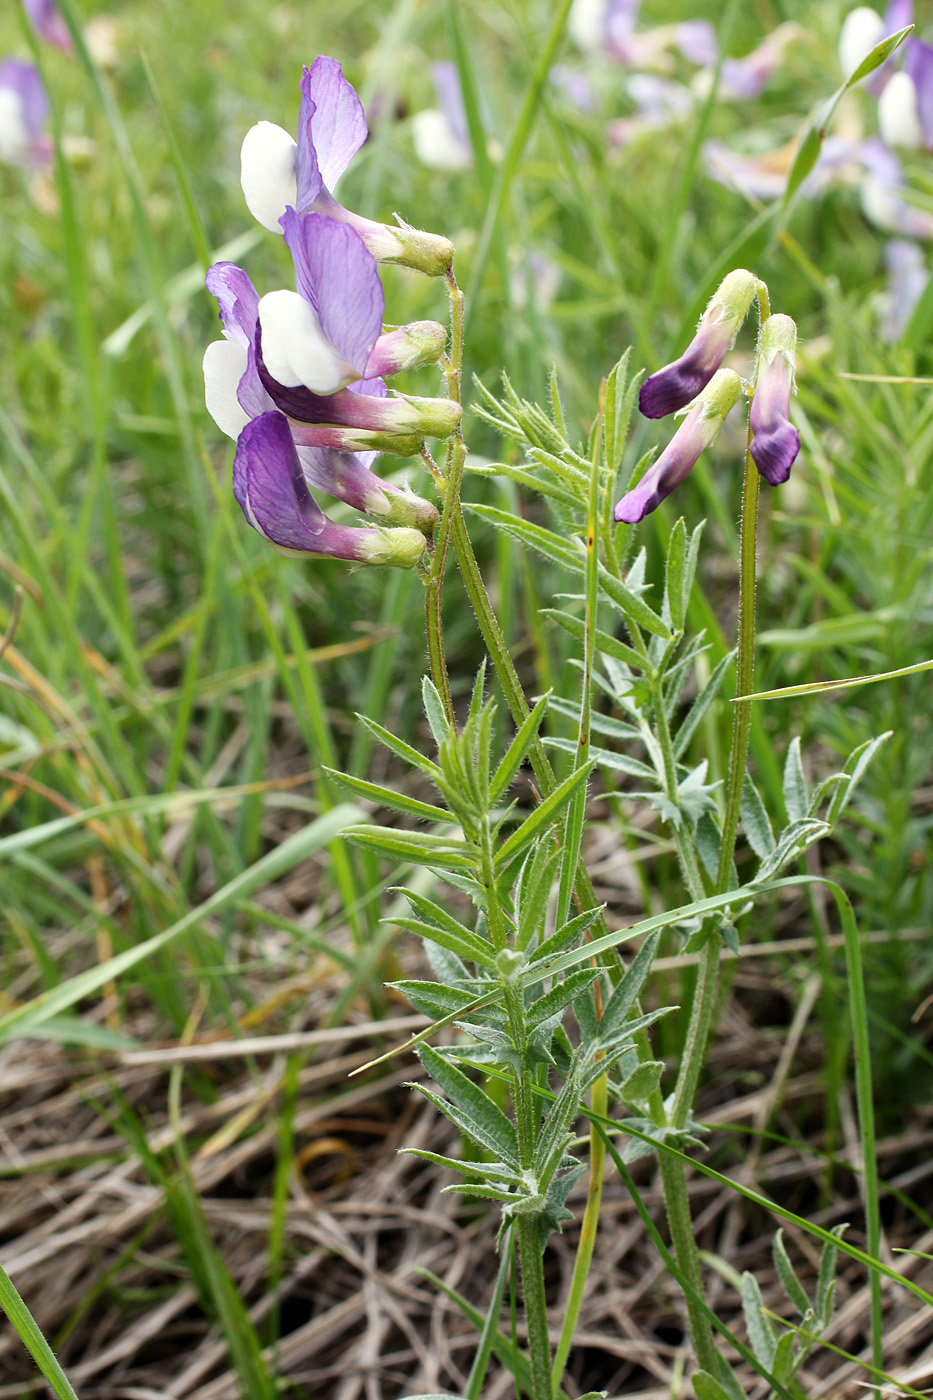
[(337, 274), (331, 128)]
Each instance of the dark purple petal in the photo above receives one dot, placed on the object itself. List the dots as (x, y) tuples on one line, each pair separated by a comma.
[(674, 464), (339, 277), (918, 65), (331, 129), (775, 441), (23, 79), (677, 384), (774, 451), (237, 299), (351, 410), (270, 486)]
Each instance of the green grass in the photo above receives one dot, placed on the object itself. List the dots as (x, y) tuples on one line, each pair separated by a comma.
[(169, 674)]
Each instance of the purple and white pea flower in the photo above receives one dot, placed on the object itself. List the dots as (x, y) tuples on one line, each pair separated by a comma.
[(23, 111), (278, 173), (705, 417), (236, 393), (678, 383), (775, 441), (270, 483)]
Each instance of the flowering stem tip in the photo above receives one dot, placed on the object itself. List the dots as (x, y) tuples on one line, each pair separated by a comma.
[(678, 384)]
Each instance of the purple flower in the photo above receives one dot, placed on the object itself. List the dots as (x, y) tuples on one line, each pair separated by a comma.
[(23, 110), (775, 441), (278, 173), (236, 394), (48, 23), (272, 489), (907, 280), (295, 353), (440, 134), (677, 384), (696, 432)]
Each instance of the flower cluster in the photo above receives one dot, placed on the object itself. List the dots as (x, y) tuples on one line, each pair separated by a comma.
[(299, 378), (698, 386)]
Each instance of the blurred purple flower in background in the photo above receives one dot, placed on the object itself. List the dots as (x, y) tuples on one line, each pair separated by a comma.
[(23, 111), (440, 134), (48, 23), (907, 280), (278, 173)]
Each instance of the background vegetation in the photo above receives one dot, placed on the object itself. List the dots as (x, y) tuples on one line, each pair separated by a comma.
[(225, 1218)]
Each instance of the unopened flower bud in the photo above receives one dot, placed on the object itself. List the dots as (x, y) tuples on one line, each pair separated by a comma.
[(775, 441), (704, 419), (407, 347), (677, 384)]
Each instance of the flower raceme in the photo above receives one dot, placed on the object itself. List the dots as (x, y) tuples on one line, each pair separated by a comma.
[(297, 381), (278, 173), (678, 383), (773, 440)]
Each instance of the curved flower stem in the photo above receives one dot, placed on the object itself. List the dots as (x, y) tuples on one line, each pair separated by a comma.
[(694, 1052)]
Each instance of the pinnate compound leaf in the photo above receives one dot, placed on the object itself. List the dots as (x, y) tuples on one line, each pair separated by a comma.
[(560, 996), (481, 1118), (631, 605)]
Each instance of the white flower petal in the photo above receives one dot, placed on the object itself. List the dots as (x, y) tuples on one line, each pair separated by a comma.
[(267, 173), (436, 144), (586, 24), (862, 29), (224, 366), (295, 349), (14, 137), (899, 114)]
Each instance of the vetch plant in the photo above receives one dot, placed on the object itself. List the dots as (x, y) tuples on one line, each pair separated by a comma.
[(547, 1008)]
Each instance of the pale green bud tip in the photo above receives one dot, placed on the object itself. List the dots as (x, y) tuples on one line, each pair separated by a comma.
[(400, 549), (733, 297), (778, 337), (719, 397)]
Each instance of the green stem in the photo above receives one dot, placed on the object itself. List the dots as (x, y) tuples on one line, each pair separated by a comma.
[(588, 1227), (452, 481), (673, 1174), (474, 1385)]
